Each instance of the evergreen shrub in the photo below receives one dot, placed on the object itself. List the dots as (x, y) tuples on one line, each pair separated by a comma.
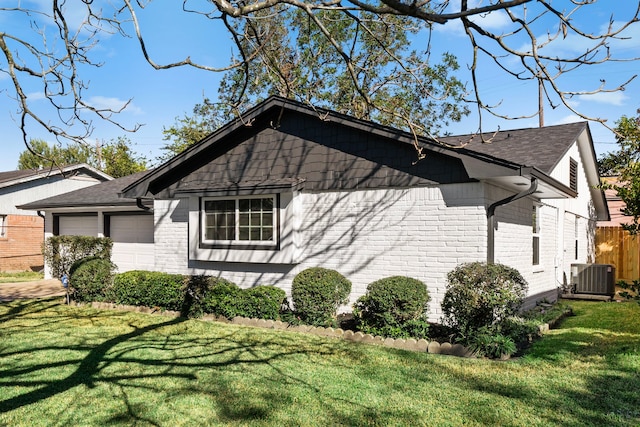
[(91, 279), (317, 293), (481, 295), (150, 289), (394, 307)]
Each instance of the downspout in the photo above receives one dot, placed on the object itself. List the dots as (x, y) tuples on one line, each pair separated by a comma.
[(491, 211), (141, 206)]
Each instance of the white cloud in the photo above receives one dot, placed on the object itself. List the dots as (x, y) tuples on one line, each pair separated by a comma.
[(610, 98), (115, 104), (496, 21), (35, 96), (571, 118)]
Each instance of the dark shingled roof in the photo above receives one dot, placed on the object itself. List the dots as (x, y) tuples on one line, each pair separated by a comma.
[(538, 147), (15, 175), (103, 194), (11, 178)]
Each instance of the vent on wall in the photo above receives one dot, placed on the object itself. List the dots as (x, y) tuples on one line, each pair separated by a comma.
[(595, 279)]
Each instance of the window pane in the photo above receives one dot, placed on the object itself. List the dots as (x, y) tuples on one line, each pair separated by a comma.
[(536, 250), (219, 219), (267, 219), (253, 218), (244, 219), (244, 233), (267, 233)]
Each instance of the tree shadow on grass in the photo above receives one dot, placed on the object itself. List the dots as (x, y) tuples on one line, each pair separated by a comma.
[(129, 363)]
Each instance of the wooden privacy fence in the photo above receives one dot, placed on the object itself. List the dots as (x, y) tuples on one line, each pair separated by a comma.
[(618, 247)]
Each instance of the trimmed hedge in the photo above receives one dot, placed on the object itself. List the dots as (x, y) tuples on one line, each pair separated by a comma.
[(224, 298), (317, 293), (150, 289), (263, 302), (91, 279), (61, 252), (394, 307), (221, 298)]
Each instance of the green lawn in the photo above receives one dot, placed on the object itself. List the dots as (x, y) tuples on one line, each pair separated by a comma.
[(63, 365), (23, 276)]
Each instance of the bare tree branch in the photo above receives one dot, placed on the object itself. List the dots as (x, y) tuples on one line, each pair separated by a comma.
[(56, 59)]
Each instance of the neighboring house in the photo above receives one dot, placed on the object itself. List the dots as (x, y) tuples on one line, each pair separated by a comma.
[(288, 187), (21, 230)]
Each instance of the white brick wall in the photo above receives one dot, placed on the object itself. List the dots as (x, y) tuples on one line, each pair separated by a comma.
[(370, 234), (170, 237), (365, 235)]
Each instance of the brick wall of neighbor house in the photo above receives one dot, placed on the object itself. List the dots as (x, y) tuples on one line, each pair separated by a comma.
[(21, 248)]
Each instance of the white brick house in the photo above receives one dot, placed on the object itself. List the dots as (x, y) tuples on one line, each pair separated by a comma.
[(288, 187)]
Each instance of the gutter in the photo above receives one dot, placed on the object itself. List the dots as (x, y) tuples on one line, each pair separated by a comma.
[(491, 211), (141, 206)]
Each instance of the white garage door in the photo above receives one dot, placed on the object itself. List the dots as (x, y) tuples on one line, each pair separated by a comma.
[(132, 237), (78, 226)]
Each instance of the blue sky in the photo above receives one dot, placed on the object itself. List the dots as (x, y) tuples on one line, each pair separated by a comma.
[(158, 97)]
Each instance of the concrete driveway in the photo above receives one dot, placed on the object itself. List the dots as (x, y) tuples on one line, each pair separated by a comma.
[(36, 289)]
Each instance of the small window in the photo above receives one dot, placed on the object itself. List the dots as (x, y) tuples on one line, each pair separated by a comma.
[(239, 220), (3, 226), (573, 175), (536, 235)]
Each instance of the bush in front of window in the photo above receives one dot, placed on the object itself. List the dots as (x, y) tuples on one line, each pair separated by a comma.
[(91, 278), (222, 298), (479, 301), (262, 302), (150, 289), (394, 307), (317, 293), (226, 299)]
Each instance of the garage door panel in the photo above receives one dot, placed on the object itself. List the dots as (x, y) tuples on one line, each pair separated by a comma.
[(78, 226), (132, 237), (132, 228)]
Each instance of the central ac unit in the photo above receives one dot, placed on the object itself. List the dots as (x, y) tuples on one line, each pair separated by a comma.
[(595, 279)]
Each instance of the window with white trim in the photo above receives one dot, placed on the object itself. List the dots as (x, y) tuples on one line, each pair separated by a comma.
[(536, 235), (239, 220), (3, 226)]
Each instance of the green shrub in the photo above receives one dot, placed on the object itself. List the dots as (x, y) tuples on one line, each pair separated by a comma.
[(481, 295), (486, 342), (262, 302), (150, 289), (194, 295), (61, 252), (520, 329), (317, 293), (222, 298), (91, 279), (395, 307)]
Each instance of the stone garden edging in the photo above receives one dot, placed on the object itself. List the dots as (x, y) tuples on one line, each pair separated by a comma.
[(410, 344)]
